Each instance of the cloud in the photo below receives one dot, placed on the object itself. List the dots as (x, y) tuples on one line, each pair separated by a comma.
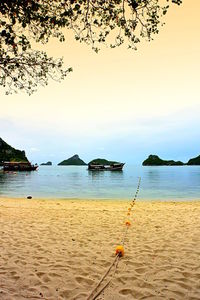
[(101, 149), (34, 149), (6, 125)]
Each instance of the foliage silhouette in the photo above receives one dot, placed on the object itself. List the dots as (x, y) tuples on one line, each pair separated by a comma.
[(94, 22)]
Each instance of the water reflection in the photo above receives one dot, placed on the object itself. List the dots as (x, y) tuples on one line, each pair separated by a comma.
[(12, 181), (113, 175), (78, 182), (152, 174), (96, 174)]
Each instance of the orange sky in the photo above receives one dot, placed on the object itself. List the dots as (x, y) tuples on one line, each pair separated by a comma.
[(149, 96)]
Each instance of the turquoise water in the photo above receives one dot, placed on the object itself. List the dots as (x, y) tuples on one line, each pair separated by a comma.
[(164, 183)]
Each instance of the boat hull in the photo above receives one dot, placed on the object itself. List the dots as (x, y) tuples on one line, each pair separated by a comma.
[(117, 167), (7, 167)]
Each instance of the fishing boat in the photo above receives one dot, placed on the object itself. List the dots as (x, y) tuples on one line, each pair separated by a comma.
[(19, 166), (111, 167)]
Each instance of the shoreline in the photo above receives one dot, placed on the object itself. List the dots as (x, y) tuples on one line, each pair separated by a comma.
[(60, 249), (124, 200)]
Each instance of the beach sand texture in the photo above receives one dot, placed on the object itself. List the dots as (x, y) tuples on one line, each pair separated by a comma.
[(59, 249)]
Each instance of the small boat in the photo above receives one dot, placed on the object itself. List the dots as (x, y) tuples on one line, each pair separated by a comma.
[(112, 167), (19, 166)]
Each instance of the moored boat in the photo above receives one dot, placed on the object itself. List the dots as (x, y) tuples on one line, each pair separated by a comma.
[(111, 167), (19, 166)]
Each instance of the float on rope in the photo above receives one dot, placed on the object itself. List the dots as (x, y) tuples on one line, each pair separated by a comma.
[(128, 223), (119, 251)]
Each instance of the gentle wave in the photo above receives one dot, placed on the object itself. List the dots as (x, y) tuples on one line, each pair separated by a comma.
[(163, 183)]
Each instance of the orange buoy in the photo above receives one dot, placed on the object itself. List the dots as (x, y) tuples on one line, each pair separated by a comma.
[(119, 250), (128, 223), (129, 209)]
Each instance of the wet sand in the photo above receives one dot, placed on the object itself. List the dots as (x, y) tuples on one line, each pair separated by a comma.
[(59, 249)]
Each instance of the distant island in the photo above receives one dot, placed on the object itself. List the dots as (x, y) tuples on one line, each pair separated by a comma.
[(73, 161), (102, 161), (8, 153), (194, 161), (154, 160), (49, 163)]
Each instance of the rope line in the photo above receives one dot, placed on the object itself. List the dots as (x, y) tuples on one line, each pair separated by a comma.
[(103, 277), (95, 293), (107, 284)]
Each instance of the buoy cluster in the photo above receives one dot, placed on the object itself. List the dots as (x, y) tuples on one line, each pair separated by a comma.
[(119, 250)]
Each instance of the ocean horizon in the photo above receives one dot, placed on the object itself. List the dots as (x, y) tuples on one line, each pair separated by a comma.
[(162, 183)]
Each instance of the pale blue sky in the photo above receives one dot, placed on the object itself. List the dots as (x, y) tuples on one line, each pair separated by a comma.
[(119, 104)]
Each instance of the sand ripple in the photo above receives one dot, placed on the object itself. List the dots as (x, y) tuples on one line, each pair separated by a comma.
[(60, 249)]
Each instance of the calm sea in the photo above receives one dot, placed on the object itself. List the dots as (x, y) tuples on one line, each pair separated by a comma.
[(164, 183)]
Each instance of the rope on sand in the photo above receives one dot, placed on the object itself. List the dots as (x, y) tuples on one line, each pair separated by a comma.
[(115, 261), (119, 253)]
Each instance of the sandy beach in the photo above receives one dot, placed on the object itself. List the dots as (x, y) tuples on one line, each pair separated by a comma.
[(59, 249)]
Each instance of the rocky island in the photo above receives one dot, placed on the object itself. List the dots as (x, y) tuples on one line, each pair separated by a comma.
[(194, 161), (102, 161), (49, 163), (8, 153), (73, 161), (154, 160)]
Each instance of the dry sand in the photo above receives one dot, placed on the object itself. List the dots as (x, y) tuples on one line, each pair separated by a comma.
[(59, 249)]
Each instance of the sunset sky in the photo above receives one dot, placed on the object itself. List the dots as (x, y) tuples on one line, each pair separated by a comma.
[(119, 104)]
